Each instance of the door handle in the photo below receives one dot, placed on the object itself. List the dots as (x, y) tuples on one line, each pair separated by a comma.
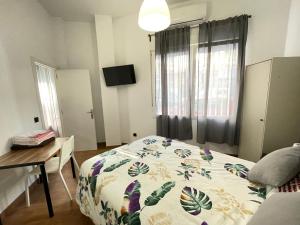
[(92, 113), (262, 120)]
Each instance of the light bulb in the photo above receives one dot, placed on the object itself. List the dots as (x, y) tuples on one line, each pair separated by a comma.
[(154, 15)]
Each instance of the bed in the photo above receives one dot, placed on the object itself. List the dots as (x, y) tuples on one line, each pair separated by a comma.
[(159, 181)]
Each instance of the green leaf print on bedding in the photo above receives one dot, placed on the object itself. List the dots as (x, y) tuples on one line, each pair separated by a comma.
[(205, 173), (83, 187), (116, 165), (95, 171), (206, 155), (141, 154), (193, 201), (138, 168), (110, 215), (259, 191), (183, 153), (157, 195), (187, 172), (149, 141), (130, 211), (156, 154), (93, 183), (146, 151), (108, 153), (237, 169)]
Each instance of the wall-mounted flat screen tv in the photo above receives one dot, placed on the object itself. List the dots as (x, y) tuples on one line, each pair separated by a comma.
[(119, 75)]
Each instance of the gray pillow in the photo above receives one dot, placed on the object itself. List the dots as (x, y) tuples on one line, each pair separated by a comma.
[(279, 209), (276, 168)]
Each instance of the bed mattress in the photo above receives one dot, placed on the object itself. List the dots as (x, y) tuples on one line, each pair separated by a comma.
[(158, 181)]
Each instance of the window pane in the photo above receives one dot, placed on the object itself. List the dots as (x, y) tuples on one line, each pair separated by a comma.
[(158, 93), (178, 89), (48, 97), (215, 93)]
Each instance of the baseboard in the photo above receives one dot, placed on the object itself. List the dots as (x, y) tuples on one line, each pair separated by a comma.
[(103, 145), (20, 198)]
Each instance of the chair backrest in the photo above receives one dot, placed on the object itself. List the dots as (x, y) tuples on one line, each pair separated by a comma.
[(66, 152)]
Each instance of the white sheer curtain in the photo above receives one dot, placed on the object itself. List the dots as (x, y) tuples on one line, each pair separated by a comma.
[(216, 93), (219, 79), (48, 97), (178, 89)]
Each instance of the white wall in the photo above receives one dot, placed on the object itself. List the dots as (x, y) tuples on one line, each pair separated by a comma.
[(110, 100), (131, 47), (266, 39), (26, 31), (59, 43), (292, 47), (267, 27), (76, 48)]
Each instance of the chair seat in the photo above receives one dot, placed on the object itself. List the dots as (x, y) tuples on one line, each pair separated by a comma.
[(51, 166)]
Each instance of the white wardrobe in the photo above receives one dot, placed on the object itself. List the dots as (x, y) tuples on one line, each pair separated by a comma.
[(271, 107)]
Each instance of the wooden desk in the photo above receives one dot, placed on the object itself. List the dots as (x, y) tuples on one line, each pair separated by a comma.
[(34, 157)]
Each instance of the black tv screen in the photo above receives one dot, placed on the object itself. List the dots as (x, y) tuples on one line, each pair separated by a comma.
[(119, 75)]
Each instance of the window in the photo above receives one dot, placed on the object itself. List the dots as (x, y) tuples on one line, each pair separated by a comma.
[(214, 92), (177, 90), (45, 77), (209, 91)]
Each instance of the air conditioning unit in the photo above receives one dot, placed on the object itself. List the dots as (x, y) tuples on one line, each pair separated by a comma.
[(188, 12)]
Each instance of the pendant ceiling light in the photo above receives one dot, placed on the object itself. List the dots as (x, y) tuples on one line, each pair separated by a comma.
[(154, 15)]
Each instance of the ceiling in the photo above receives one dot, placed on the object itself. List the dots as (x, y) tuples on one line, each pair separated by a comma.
[(84, 10)]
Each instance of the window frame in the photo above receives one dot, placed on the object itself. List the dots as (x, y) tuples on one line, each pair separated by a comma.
[(34, 63), (194, 45)]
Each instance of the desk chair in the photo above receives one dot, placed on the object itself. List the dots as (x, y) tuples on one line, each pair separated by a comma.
[(55, 165)]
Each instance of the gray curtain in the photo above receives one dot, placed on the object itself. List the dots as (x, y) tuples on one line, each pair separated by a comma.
[(219, 79), (173, 104)]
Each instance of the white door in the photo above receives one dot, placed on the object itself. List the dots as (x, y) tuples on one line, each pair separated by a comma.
[(75, 99), (254, 110)]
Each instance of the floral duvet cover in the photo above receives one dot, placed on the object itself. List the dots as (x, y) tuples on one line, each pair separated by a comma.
[(157, 181)]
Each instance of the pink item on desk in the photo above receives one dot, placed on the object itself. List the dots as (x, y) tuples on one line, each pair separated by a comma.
[(32, 139)]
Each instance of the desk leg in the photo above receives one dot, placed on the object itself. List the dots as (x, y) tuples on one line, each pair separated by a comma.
[(73, 167), (46, 190)]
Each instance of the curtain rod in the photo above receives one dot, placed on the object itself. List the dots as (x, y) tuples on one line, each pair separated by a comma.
[(185, 22)]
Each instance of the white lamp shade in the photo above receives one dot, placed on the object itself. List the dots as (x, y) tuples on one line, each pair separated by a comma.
[(154, 15)]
